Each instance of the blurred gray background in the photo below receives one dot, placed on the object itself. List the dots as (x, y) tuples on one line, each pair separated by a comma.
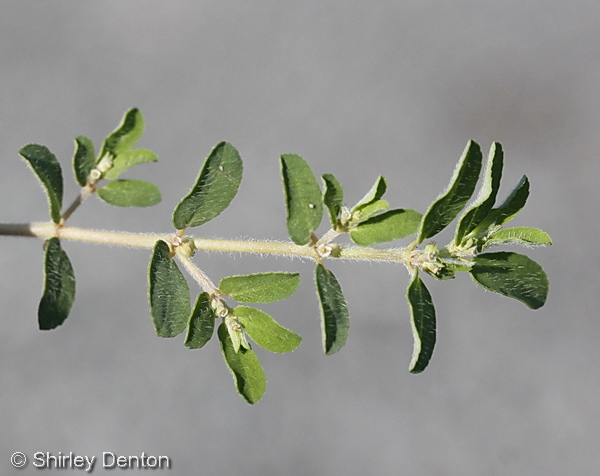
[(359, 89)]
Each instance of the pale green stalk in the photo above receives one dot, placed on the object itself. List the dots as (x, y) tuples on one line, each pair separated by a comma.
[(46, 230)]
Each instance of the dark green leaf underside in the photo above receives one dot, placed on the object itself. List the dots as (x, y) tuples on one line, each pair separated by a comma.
[(248, 375), (46, 167), (513, 275), (487, 194), (302, 197), (169, 294), (462, 185), (84, 159), (423, 323), (216, 186), (125, 136), (334, 310), (59, 287), (333, 197), (201, 324), (515, 201)]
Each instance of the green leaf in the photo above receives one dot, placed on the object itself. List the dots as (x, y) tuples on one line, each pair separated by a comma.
[(422, 322), (373, 195), (130, 193), (261, 287), (214, 190), (169, 294), (303, 198), (59, 287), (388, 226), (46, 167), (334, 310), (128, 159), (84, 159), (510, 207), (248, 375), (125, 136), (452, 265), (520, 235), (201, 324), (367, 211), (462, 185), (333, 197), (266, 331), (236, 334), (513, 275), (477, 212)]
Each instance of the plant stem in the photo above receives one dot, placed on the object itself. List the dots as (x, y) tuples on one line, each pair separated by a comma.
[(46, 230), (85, 192), (201, 278)]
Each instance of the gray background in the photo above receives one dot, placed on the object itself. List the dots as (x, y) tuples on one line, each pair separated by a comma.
[(359, 89)]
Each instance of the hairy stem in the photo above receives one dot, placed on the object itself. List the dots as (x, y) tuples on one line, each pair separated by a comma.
[(46, 230), (85, 192), (201, 278)]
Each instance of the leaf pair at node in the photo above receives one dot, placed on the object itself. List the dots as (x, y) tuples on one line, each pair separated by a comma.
[(265, 331), (507, 273), (480, 226), (169, 298), (117, 156), (368, 223)]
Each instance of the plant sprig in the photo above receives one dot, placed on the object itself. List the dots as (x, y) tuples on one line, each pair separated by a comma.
[(369, 222)]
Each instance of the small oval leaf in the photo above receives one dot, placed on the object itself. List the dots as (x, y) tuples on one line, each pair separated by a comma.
[(333, 197), (367, 211), (59, 287), (84, 159), (302, 197), (168, 293), (46, 167), (512, 205), (248, 375), (334, 310), (423, 323), (373, 195), (260, 287), (388, 226), (125, 136), (462, 185), (486, 196), (266, 331), (126, 160), (201, 324), (214, 190), (130, 193), (513, 275), (520, 235)]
